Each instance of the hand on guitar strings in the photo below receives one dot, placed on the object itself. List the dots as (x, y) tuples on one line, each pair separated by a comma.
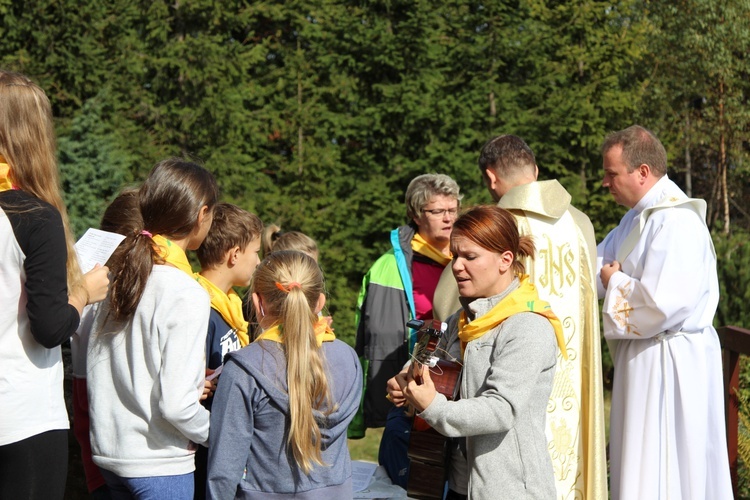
[(419, 392)]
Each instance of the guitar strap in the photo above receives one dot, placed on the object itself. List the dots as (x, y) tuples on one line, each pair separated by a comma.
[(403, 271)]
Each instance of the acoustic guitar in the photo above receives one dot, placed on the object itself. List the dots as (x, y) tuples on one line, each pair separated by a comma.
[(429, 451)]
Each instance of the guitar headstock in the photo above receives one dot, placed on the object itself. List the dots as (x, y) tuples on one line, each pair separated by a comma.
[(428, 338)]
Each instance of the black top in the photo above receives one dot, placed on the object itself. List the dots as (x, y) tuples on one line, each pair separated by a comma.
[(38, 229)]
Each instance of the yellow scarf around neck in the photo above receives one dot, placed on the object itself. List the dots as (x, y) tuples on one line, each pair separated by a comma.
[(323, 333), (420, 245), (229, 305), (5, 183), (172, 254), (523, 299)]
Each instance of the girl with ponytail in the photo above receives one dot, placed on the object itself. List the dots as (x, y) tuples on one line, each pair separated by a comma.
[(146, 354), (280, 413)]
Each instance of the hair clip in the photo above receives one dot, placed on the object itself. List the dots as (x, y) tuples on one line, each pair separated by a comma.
[(291, 286)]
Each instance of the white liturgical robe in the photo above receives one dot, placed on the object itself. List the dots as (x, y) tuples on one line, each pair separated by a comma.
[(667, 429)]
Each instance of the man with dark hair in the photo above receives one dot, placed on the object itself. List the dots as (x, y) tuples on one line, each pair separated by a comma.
[(658, 278), (563, 273)]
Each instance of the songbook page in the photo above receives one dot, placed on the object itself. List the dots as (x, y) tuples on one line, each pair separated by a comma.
[(362, 473), (95, 247)]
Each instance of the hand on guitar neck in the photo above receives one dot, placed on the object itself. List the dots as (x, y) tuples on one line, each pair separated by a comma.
[(412, 372), (428, 340), (418, 386), (395, 395)]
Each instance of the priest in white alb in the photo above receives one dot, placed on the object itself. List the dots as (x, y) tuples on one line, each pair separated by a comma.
[(658, 279)]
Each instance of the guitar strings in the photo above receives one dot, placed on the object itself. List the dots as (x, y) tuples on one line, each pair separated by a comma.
[(436, 369), (450, 356)]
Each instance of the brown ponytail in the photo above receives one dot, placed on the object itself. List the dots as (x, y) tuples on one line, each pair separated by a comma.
[(170, 200)]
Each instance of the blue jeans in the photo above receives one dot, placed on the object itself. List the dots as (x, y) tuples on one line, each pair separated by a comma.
[(149, 488)]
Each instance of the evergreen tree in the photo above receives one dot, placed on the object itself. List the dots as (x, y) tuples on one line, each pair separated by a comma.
[(94, 165), (697, 100)]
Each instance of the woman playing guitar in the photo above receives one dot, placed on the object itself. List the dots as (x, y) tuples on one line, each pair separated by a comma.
[(508, 340)]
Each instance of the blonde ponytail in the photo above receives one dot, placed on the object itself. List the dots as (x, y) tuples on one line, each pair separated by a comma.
[(290, 283)]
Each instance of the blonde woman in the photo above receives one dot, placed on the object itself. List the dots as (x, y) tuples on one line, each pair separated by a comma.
[(42, 292), (280, 413)]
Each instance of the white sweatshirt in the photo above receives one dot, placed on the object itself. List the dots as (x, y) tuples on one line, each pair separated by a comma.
[(145, 378)]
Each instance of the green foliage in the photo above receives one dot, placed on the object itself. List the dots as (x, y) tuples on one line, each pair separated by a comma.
[(94, 164), (733, 263), (743, 435), (696, 100), (315, 114)]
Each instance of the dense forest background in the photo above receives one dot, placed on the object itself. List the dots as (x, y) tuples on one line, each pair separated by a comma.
[(315, 114)]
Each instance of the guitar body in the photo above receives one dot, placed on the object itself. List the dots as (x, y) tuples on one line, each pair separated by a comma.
[(429, 451)]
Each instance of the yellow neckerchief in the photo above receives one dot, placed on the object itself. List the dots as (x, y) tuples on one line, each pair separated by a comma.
[(4, 175), (323, 333), (229, 305), (172, 253), (523, 299), (420, 245)]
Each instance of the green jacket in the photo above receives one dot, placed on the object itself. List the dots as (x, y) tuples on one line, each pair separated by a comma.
[(384, 306)]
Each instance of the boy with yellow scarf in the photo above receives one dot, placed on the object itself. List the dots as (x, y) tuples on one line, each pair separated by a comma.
[(228, 257)]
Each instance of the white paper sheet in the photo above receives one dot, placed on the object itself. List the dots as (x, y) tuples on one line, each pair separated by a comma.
[(362, 473), (95, 247), (370, 481)]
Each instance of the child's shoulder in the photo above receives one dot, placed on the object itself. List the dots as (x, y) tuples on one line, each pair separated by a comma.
[(170, 279), (340, 348)]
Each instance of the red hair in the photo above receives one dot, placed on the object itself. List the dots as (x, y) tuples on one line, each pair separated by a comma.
[(494, 229)]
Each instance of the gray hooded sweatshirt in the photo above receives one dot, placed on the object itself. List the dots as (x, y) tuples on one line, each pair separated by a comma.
[(248, 456)]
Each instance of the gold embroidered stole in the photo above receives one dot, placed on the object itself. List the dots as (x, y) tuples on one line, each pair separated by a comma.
[(631, 240)]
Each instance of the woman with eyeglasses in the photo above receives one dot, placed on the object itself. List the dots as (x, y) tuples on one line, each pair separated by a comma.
[(400, 286)]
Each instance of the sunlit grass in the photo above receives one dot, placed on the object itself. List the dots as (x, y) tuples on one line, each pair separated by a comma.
[(607, 406), (366, 449)]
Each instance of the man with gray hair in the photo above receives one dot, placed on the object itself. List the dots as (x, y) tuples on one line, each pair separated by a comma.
[(658, 278), (564, 273)]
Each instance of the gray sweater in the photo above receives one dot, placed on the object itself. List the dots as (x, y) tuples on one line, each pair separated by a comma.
[(248, 456), (506, 382)]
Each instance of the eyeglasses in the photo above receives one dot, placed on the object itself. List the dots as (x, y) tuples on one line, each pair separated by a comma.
[(438, 213)]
